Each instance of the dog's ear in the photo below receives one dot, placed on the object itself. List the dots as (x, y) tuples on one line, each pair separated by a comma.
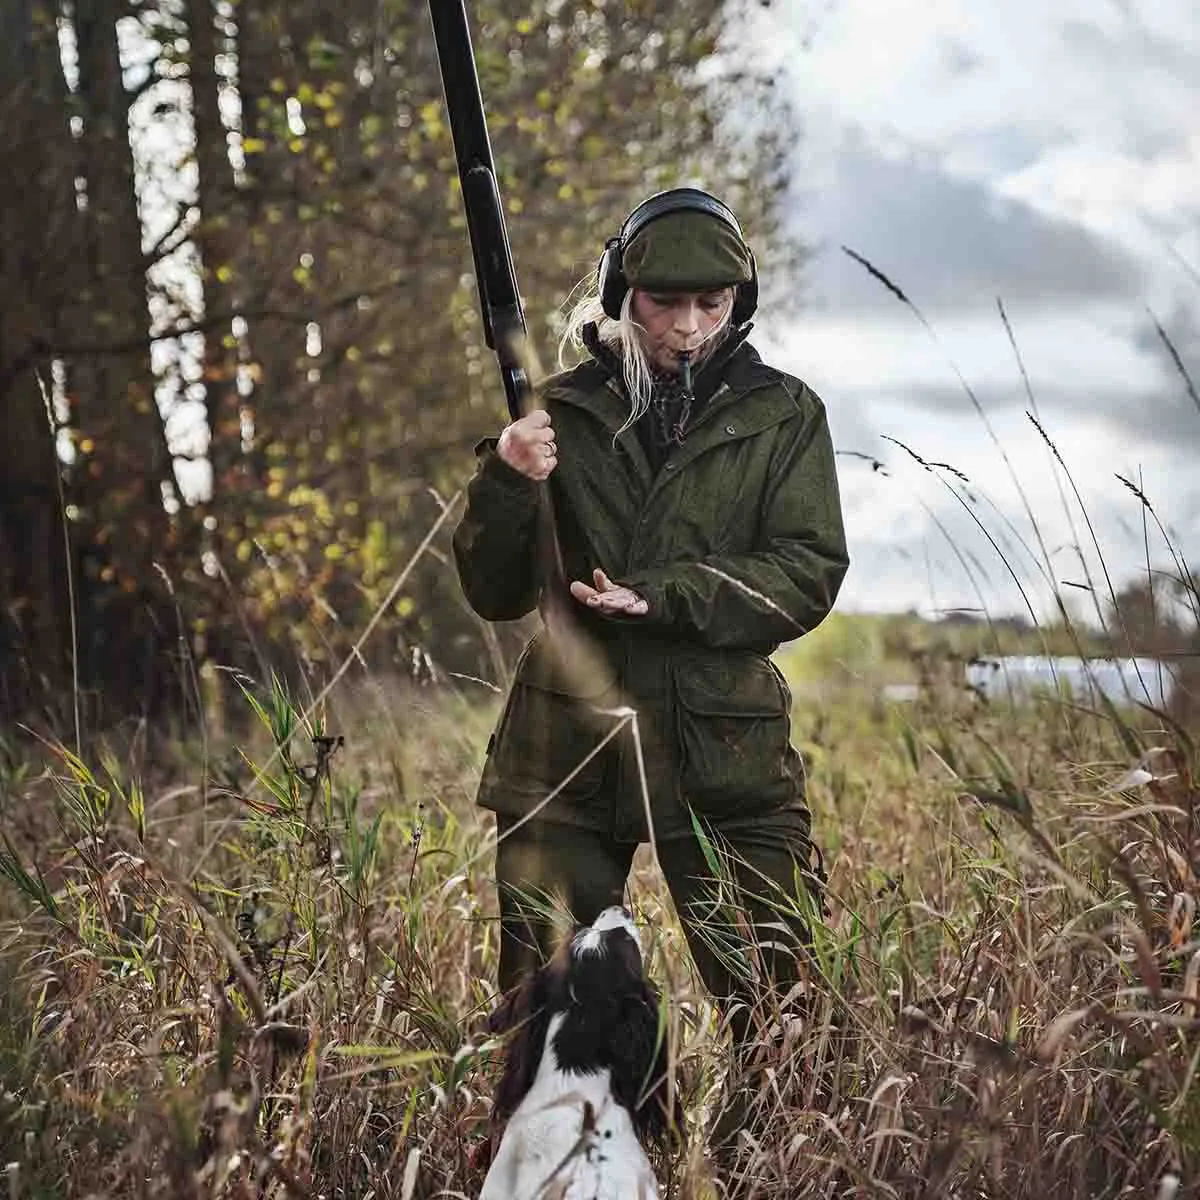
[(512, 1009), (523, 1017), (641, 1066)]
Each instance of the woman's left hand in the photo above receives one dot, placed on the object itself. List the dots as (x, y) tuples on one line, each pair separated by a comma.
[(609, 597)]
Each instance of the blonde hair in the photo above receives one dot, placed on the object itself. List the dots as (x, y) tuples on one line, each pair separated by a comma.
[(624, 338)]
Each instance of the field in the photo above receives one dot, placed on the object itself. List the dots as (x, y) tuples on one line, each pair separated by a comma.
[(253, 960)]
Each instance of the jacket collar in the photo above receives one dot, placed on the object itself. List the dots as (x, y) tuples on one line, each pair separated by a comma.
[(708, 377), (597, 383), (595, 386)]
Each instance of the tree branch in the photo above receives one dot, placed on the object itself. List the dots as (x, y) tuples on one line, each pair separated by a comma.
[(40, 348)]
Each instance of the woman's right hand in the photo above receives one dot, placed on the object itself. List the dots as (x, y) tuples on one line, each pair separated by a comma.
[(528, 446)]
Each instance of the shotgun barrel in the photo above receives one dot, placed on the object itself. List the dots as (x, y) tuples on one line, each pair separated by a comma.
[(499, 300)]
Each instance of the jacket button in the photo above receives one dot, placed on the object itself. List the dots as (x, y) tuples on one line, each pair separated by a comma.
[(730, 429), (670, 466)]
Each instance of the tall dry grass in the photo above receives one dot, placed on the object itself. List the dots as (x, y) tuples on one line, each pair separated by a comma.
[(268, 983)]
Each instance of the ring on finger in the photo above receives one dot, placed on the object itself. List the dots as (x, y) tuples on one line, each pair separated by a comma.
[(550, 449)]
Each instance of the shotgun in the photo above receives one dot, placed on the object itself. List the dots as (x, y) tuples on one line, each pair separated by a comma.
[(499, 300)]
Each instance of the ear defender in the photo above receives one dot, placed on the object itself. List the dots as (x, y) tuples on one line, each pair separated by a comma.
[(610, 279), (745, 298), (610, 275)]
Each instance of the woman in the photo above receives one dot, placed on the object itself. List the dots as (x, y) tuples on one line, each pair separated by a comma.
[(699, 522)]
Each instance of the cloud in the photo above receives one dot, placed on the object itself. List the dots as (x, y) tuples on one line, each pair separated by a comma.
[(890, 355), (950, 243), (1176, 335), (1081, 110), (1146, 422), (940, 72)]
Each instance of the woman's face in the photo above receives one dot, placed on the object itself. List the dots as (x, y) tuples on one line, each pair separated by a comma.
[(675, 321)]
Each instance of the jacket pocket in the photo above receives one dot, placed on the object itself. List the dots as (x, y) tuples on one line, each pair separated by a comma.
[(734, 734), (553, 720)]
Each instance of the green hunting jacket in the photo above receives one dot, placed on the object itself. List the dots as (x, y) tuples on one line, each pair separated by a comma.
[(737, 545)]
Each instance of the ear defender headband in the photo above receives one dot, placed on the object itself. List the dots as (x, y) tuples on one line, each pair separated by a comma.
[(610, 275)]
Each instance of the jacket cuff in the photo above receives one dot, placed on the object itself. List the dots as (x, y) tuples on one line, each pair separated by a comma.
[(654, 592), (501, 484)]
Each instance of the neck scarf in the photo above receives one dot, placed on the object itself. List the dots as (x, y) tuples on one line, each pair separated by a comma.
[(670, 410)]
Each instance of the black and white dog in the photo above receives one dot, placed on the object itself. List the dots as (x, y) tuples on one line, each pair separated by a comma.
[(585, 1080)]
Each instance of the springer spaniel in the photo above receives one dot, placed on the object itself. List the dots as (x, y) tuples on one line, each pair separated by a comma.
[(585, 1077)]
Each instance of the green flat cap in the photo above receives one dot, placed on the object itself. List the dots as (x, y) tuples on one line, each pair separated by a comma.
[(686, 252)]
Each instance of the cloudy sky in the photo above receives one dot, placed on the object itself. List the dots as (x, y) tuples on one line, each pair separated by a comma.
[(1043, 155)]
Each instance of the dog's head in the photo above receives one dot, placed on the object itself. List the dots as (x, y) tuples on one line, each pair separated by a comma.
[(610, 1019)]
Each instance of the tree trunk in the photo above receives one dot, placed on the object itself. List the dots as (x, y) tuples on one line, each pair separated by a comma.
[(126, 620), (36, 234), (215, 246), (119, 414)]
